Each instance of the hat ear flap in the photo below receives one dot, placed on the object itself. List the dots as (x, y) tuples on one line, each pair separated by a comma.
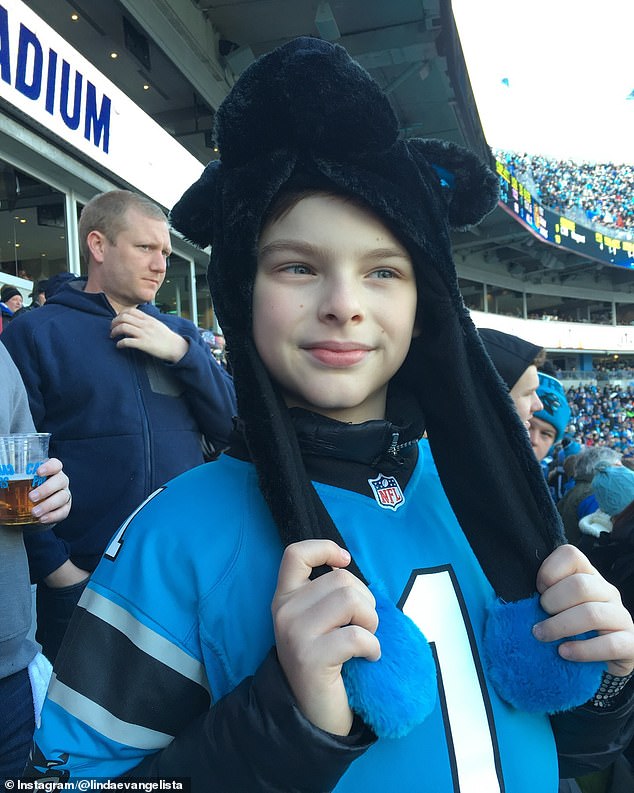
[(470, 187), (193, 214)]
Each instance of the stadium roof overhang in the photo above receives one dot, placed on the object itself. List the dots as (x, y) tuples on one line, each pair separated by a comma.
[(189, 52)]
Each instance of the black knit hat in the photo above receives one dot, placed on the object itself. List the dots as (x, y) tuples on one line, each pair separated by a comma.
[(308, 108), (8, 292), (511, 355)]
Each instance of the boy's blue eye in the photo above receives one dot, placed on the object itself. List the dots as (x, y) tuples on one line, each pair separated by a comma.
[(298, 269), (383, 273)]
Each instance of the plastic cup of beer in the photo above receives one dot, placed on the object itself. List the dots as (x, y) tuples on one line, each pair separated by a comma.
[(20, 457)]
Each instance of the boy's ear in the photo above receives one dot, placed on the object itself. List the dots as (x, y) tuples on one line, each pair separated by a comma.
[(469, 187)]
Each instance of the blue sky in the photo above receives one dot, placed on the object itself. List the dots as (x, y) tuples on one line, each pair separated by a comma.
[(552, 76)]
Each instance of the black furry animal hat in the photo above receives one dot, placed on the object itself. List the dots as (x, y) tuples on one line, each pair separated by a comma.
[(308, 108)]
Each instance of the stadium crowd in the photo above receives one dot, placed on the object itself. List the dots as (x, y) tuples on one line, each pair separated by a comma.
[(602, 193), (603, 416)]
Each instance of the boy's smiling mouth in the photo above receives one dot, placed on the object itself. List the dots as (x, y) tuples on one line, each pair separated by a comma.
[(337, 354)]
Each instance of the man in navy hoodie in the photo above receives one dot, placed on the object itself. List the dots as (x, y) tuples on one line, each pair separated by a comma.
[(131, 396)]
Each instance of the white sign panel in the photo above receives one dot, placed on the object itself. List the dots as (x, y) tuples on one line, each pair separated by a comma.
[(49, 81), (556, 335)]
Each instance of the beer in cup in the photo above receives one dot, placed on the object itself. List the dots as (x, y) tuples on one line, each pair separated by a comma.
[(20, 457)]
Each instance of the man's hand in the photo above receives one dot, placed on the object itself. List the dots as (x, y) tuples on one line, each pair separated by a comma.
[(139, 331), (52, 499), (579, 599), (320, 624), (67, 574)]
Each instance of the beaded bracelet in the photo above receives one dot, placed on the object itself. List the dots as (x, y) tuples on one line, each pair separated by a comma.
[(611, 686)]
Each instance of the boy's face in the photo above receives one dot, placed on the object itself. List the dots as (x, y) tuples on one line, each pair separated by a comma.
[(334, 307), (542, 436), (524, 394)]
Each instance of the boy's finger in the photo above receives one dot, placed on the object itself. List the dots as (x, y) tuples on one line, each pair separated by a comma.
[(601, 617), (561, 563), (617, 648), (301, 557), (350, 641)]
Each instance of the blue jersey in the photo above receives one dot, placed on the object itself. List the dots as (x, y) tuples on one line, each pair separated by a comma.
[(182, 602)]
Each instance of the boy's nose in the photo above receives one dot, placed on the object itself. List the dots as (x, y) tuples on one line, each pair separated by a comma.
[(341, 302)]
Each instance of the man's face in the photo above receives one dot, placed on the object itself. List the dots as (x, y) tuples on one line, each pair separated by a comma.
[(542, 436), (131, 270), (14, 303), (524, 394), (334, 307)]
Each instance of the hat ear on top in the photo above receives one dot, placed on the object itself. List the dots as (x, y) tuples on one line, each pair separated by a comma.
[(339, 111), (470, 187)]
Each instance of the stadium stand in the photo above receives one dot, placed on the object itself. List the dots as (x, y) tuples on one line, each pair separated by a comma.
[(600, 194)]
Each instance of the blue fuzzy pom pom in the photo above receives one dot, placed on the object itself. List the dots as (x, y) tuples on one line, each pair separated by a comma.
[(396, 693), (529, 674)]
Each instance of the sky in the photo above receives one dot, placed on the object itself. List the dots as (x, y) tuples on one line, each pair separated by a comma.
[(552, 77)]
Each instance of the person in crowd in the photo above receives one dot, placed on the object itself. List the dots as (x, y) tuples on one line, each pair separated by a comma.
[(279, 641), (24, 672), (11, 303), (516, 361), (561, 478), (548, 424), (132, 397), (580, 500), (567, 477), (38, 295), (613, 488), (607, 538)]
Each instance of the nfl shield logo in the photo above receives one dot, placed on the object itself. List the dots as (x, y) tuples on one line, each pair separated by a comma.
[(387, 492)]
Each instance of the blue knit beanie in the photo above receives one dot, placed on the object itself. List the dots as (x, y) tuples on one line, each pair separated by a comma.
[(572, 448), (613, 485), (556, 410)]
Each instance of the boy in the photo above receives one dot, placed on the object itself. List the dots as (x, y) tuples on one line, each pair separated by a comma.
[(333, 279)]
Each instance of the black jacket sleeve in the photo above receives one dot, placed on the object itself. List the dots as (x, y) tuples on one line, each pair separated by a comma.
[(589, 739), (256, 739)]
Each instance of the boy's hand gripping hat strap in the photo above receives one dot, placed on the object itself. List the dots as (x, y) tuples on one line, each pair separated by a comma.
[(308, 108)]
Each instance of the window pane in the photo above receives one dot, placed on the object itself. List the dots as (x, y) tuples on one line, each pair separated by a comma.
[(32, 226), (174, 296)]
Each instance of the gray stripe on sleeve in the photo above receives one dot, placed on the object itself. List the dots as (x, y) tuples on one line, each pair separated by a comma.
[(104, 722), (147, 640)]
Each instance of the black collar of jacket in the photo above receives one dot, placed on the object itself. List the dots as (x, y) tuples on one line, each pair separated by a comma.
[(344, 455)]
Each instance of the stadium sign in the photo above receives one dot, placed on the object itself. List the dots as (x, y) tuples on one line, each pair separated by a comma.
[(553, 228), (59, 91)]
